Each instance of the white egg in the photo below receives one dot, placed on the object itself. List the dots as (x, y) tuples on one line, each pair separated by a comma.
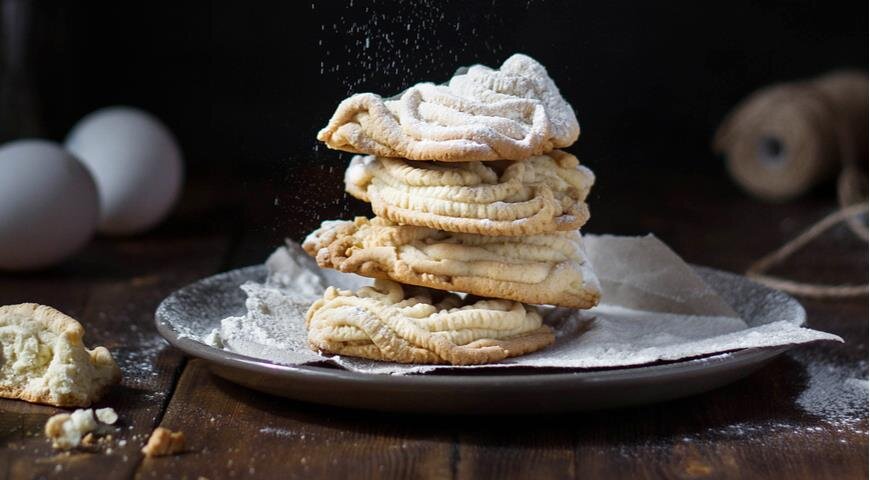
[(136, 163), (48, 204)]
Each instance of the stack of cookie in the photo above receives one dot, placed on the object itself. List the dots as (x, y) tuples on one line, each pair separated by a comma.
[(470, 195)]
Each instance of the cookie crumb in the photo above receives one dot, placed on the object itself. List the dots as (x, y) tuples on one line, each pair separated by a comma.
[(88, 440), (164, 442), (65, 430), (106, 415)]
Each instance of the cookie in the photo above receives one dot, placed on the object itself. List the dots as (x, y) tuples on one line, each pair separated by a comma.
[(44, 360), (164, 441), (396, 323), (511, 113), (539, 269), (542, 194)]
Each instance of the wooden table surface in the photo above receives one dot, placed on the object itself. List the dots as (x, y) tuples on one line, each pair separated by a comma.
[(790, 419)]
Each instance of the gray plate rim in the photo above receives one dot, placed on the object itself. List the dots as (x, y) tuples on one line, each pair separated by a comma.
[(697, 365)]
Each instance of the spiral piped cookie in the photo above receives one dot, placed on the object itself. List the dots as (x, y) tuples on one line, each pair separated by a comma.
[(471, 194), (511, 113), (390, 322), (540, 269), (543, 194)]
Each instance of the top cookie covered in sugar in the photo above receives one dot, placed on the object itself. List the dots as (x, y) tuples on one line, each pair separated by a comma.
[(511, 113)]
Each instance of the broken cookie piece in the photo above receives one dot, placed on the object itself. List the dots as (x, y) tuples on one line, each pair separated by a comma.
[(65, 430), (164, 442), (43, 359)]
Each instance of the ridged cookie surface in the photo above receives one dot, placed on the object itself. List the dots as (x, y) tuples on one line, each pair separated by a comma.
[(44, 360), (539, 269), (511, 113), (542, 194), (390, 322)]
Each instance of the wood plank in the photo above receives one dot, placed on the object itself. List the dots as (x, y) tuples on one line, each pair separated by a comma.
[(113, 288), (514, 447), (236, 432), (755, 428), (751, 429), (254, 434)]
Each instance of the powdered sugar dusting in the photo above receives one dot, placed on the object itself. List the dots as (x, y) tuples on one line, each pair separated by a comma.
[(834, 403), (139, 365), (281, 432), (273, 325), (482, 114), (393, 44), (836, 394)]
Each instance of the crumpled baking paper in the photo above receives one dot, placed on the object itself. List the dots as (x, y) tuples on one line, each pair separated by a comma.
[(654, 308)]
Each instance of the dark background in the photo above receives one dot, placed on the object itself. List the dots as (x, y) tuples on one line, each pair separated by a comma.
[(246, 85)]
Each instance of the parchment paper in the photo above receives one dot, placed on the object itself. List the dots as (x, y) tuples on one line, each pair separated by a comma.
[(654, 308)]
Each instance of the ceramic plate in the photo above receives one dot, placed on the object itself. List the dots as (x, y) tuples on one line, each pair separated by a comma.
[(193, 311)]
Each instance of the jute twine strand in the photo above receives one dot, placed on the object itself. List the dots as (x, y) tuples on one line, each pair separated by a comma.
[(849, 193), (822, 124), (812, 290)]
